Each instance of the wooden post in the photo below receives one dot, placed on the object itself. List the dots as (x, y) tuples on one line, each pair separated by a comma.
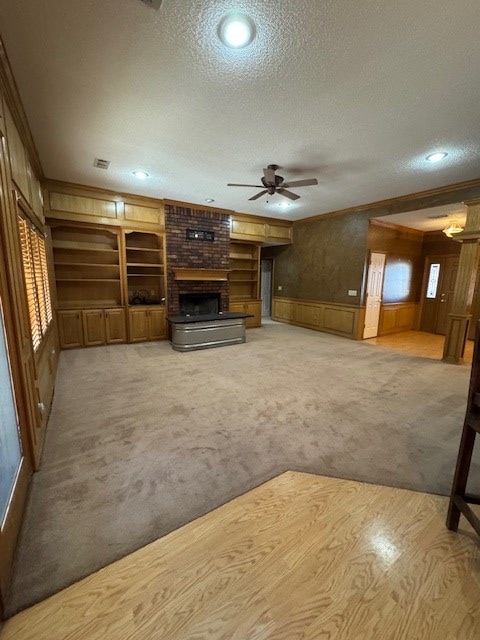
[(459, 318)]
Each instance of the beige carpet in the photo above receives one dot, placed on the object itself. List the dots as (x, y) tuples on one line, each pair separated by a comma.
[(143, 439)]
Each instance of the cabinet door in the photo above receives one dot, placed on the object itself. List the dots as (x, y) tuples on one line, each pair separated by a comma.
[(237, 307), (115, 328), (254, 308), (93, 327), (137, 325), (70, 329), (156, 324)]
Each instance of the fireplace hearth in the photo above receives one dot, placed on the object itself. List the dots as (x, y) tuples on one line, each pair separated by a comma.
[(196, 304)]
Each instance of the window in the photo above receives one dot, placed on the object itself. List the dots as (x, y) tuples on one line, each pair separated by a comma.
[(35, 269), (433, 280)]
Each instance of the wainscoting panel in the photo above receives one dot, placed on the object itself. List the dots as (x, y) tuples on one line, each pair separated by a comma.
[(340, 319), (397, 317)]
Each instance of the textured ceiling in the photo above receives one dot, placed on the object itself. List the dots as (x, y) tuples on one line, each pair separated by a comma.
[(431, 219), (353, 93)]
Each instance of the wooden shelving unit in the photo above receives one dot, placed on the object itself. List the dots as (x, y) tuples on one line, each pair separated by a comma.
[(87, 266), (145, 268), (110, 284), (245, 267), (245, 281)]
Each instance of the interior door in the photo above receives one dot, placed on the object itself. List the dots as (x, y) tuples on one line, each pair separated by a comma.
[(266, 293), (441, 273), (447, 288), (374, 294)]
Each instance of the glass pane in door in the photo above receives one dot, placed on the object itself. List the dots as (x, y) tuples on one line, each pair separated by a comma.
[(10, 452)]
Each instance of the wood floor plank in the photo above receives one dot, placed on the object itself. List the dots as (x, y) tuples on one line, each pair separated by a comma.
[(301, 557)]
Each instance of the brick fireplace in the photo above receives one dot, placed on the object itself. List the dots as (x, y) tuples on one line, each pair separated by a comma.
[(184, 253)]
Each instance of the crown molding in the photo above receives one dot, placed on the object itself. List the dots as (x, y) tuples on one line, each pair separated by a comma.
[(12, 98), (468, 192)]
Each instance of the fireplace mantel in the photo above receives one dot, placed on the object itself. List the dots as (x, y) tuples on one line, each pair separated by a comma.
[(186, 273)]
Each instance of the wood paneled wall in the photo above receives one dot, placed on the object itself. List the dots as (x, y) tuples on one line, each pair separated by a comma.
[(403, 265), (33, 372), (340, 319)]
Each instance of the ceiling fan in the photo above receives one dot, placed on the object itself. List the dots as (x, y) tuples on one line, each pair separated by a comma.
[(273, 183)]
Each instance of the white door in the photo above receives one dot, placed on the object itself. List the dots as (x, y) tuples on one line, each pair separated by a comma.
[(266, 273), (374, 294)]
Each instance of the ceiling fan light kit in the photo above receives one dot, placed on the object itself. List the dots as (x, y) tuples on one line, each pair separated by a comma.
[(273, 183)]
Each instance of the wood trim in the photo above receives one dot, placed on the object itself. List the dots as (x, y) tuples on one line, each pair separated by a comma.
[(448, 194), (199, 207), (217, 275), (12, 97)]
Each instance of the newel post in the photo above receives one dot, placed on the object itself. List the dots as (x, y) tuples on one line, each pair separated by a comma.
[(460, 316)]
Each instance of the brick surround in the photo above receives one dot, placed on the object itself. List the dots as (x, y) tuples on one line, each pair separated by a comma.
[(195, 254)]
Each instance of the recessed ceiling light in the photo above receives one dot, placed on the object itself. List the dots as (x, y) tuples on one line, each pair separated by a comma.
[(236, 31), (436, 157), (209, 200), (140, 174)]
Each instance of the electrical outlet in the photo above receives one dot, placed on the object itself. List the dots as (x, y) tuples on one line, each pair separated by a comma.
[(279, 287), (352, 292)]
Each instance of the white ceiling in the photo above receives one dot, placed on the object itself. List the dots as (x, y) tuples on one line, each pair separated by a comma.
[(354, 93), (431, 219)]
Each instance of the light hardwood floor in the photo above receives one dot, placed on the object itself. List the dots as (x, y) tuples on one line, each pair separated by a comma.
[(301, 556), (419, 343)]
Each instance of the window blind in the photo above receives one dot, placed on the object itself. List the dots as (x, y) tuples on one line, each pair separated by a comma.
[(36, 280)]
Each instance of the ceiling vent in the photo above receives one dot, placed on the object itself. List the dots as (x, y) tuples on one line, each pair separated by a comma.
[(155, 4), (101, 164), (442, 215)]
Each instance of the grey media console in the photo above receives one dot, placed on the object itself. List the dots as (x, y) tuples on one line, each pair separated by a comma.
[(205, 331)]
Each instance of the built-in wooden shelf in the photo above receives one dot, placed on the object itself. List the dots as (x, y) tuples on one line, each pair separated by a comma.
[(154, 265)]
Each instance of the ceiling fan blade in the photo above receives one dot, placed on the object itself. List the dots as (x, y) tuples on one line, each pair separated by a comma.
[(269, 175), (257, 186), (259, 194), (301, 183), (288, 194)]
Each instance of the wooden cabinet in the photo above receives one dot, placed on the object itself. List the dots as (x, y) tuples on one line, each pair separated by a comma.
[(70, 329), (264, 230), (91, 327), (97, 270), (253, 307), (146, 323)]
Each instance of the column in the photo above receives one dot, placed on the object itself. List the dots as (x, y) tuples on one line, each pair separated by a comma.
[(460, 316)]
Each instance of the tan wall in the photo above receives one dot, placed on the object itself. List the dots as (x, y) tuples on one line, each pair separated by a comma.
[(326, 260)]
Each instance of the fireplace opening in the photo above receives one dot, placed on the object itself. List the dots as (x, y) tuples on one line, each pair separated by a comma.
[(196, 304)]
